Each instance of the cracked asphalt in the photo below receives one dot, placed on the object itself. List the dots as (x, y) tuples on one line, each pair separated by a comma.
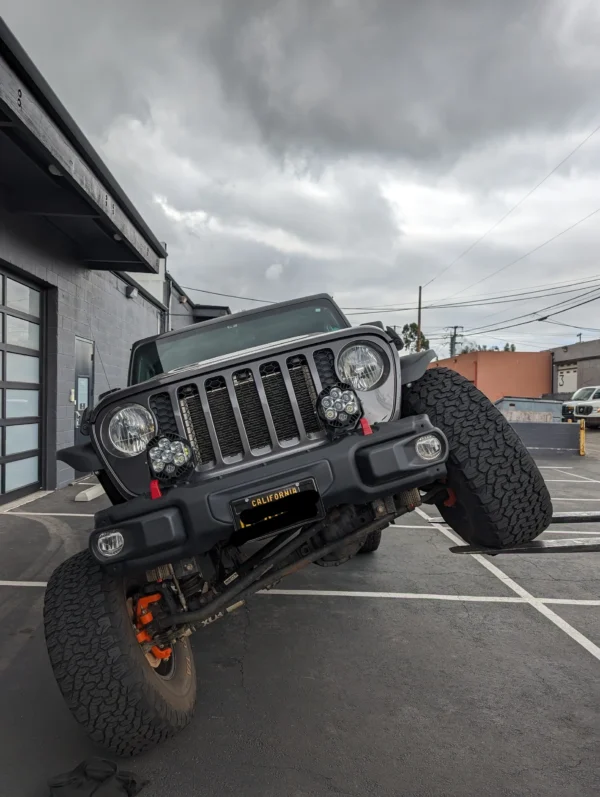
[(449, 685)]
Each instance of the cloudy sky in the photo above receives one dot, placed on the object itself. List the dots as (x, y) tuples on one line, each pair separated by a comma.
[(359, 147)]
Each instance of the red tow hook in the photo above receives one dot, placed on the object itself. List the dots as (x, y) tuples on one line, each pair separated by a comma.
[(365, 426), (155, 489)]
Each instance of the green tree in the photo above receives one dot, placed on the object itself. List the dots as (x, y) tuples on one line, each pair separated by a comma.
[(409, 336), (470, 347)]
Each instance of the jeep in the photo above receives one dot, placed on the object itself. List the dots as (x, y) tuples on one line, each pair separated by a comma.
[(242, 450)]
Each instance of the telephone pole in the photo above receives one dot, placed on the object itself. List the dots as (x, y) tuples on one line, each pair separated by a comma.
[(419, 321), (453, 338), (579, 336)]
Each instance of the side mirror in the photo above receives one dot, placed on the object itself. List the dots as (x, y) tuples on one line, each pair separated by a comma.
[(395, 338)]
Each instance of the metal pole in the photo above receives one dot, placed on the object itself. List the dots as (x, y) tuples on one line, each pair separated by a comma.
[(419, 321)]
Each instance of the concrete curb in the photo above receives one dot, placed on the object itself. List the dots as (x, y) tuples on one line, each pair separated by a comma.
[(95, 491)]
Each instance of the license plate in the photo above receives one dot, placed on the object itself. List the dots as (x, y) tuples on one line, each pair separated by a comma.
[(279, 509)]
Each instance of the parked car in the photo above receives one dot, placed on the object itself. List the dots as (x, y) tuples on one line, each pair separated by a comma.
[(584, 404), (284, 425)]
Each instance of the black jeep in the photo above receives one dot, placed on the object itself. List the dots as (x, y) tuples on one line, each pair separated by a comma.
[(242, 450)]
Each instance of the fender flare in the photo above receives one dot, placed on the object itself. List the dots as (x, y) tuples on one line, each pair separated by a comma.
[(413, 366), (81, 458)]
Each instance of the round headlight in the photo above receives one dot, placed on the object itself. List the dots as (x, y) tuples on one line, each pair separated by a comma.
[(130, 430), (361, 366)]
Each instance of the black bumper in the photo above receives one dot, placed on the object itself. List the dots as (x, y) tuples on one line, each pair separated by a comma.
[(192, 519)]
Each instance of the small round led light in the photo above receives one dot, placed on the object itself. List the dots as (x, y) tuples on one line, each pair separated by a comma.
[(110, 543), (166, 456), (179, 459), (164, 443), (428, 447), (347, 396), (351, 408), (327, 402), (339, 405), (330, 414), (158, 466), (170, 469), (335, 393), (343, 417)]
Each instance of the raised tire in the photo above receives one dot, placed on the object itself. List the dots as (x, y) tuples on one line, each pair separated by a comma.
[(108, 684), (372, 543), (498, 496)]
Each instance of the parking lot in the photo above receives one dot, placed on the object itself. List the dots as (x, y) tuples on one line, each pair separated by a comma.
[(408, 672)]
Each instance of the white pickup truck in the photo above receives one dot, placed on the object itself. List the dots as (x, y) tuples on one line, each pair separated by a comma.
[(584, 404)]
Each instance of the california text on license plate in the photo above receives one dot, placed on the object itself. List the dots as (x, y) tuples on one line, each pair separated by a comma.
[(270, 504)]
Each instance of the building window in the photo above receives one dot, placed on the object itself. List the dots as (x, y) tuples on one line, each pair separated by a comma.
[(20, 386)]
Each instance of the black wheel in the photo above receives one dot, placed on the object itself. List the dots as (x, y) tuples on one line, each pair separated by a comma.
[(124, 702), (372, 543), (498, 496)]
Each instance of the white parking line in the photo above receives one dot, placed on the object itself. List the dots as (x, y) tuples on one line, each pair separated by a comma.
[(536, 603), (41, 584), (50, 514), (567, 481), (555, 467), (416, 526), (557, 498), (580, 478), (570, 531), (339, 593), (26, 500)]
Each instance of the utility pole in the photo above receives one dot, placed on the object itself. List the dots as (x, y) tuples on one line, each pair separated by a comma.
[(419, 321), (579, 336), (453, 338)]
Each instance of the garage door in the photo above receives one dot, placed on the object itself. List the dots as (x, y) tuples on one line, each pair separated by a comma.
[(567, 378), (20, 385)]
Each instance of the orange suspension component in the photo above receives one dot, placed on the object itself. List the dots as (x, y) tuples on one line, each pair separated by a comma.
[(143, 616), (451, 500)]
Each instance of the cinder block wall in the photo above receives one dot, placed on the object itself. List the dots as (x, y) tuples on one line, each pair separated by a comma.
[(81, 303)]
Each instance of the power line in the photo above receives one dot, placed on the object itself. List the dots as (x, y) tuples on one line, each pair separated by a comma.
[(482, 327), (514, 207), (228, 295), (573, 326), (530, 252), (493, 295), (532, 320), (468, 305), (498, 300)]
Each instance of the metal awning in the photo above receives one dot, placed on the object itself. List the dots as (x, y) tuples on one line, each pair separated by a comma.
[(49, 169)]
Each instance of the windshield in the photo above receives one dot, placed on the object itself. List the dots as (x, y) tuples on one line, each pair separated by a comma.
[(217, 340), (583, 394)]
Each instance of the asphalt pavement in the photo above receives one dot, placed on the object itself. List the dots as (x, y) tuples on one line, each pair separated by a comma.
[(410, 671)]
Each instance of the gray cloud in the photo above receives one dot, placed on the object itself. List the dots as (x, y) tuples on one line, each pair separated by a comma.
[(358, 145)]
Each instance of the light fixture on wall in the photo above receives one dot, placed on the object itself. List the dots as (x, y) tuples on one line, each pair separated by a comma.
[(131, 292)]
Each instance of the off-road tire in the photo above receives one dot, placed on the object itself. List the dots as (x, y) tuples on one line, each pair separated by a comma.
[(501, 497), (100, 668), (372, 543)]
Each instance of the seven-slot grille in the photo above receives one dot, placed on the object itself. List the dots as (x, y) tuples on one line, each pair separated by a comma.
[(583, 410), (251, 411)]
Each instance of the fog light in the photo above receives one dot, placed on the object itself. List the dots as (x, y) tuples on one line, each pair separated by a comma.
[(429, 447), (110, 543), (169, 457)]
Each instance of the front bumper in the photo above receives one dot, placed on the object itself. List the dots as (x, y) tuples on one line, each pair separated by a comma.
[(191, 519)]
